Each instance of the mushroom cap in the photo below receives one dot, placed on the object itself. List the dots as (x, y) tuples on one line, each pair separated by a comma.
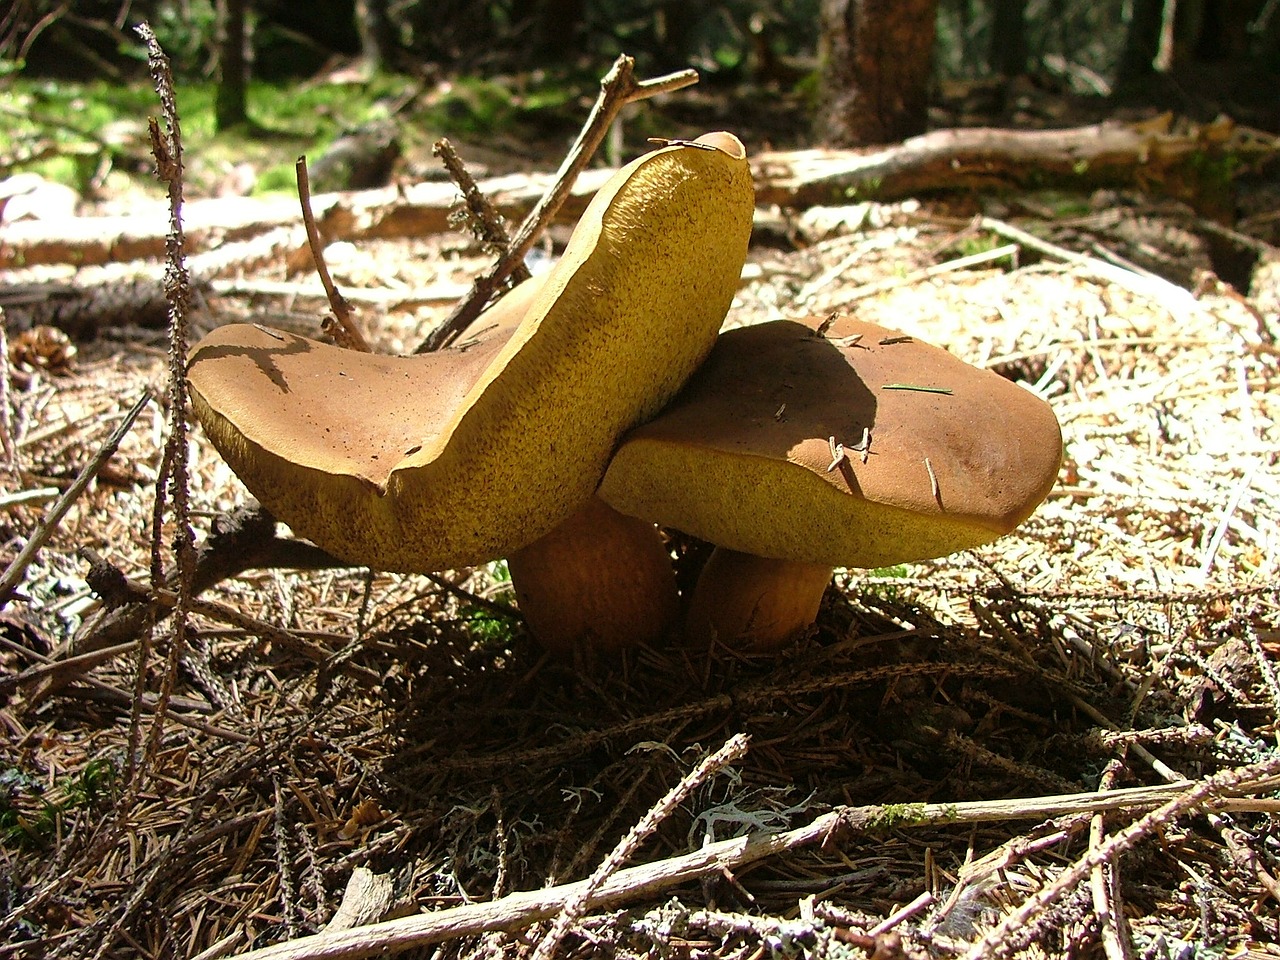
[(440, 460), (743, 457)]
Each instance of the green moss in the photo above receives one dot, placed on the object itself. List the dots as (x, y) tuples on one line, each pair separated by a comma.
[(867, 189), (894, 814), (1063, 203), (279, 177), (486, 625), (897, 570), (31, 817), (910, 814), (969, 246), (62, 130), (1214, 170)]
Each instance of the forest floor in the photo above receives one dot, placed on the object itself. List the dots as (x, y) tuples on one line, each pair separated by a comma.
[(317, 723)]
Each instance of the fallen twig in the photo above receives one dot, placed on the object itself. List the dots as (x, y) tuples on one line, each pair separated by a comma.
[(634, 883), (1104, 885), (1179, 302), (7, 445), (485, 220), (368, 897), (734, 748), (17, 567), (28, 498), (340, 325), (618, 88), (811, 290), (172, 481), (1002, 939), (1160, 157)]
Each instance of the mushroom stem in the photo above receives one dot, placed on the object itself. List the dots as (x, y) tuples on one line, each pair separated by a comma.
[(752, 603), (600, 581)]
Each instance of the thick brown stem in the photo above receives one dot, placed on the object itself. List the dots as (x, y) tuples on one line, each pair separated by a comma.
[(600, 581), (754, 604)]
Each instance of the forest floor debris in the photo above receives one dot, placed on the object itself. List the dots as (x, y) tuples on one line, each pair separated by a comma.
[(1128, 632)]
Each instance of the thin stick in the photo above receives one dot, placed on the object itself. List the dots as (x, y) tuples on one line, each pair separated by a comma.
[(118, 589), (485, 220), (1265, 667), (811, 289), (933, 481), (166, 147), (1001, 939), (344, 331), (999, 860), (17, 567), (519, 910), (1179, 302), (173, 479), (903, 913), (1104, 884), (618, 88), (26, 498), (68, 667), (734, 748), (1220, 532), (6, 420)]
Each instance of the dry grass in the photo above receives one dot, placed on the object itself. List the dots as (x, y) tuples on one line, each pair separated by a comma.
[(1125, 635)]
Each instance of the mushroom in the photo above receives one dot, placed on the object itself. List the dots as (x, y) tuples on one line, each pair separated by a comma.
[(795, 452), (441, 460)]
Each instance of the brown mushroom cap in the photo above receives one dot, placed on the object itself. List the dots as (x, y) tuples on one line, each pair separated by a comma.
[(427, 462), (744, 456)]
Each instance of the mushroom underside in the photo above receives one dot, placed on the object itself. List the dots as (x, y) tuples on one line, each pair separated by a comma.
[(430, 462), (796, 452)]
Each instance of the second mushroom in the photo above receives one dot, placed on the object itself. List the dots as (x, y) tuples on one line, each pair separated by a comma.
[(795, 451)]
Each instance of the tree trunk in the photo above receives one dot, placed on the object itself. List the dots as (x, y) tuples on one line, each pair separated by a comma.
[(229, 107), (1007, 55), (877, 58), (377, 34), (548, 28), (1141, 42)]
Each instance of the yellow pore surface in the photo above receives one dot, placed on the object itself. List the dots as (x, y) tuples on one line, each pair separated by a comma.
[(859, 448), (427, 462)]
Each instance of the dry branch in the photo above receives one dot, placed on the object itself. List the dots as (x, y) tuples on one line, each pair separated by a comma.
[(618, 88), (485, 222), (81, 310), (389, 212), (1152, 155), (635, 883), (14, 572), (132, 294), (1001, 940), (341, 325), (240, 540), (575, 906)]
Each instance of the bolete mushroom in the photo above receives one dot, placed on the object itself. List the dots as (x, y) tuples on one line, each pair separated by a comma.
[(441, 460), (795, 452)]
